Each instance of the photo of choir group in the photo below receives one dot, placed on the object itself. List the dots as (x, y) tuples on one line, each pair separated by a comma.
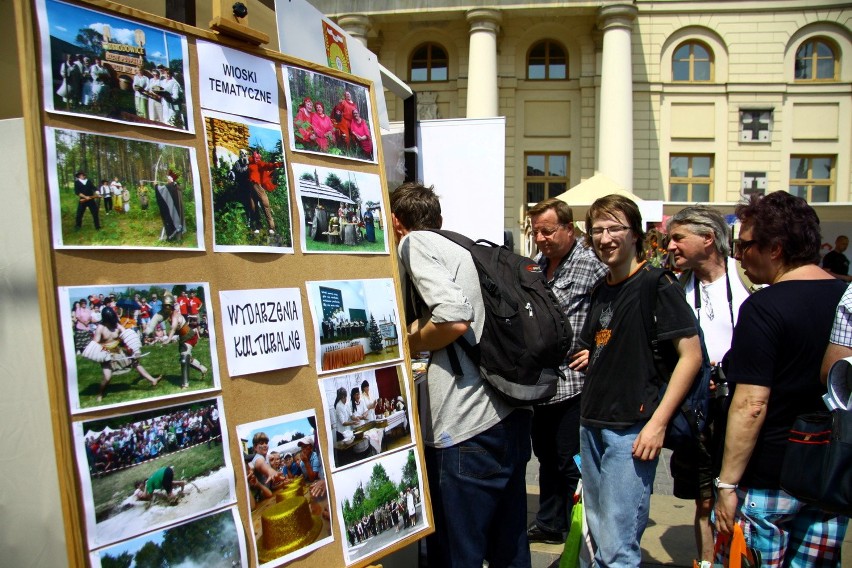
[(111, 68), (329, 116)]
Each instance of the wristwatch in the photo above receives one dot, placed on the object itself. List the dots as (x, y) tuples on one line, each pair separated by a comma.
[(719, 485)]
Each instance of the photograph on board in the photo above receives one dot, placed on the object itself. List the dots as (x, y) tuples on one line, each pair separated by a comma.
[(143, 471), (213, 541), (367, 414), (111, 192), (101, 66), (342, 211), (286, 484), (356, 323), (326, 115), (251, 201), (137, 342), (379, 503)]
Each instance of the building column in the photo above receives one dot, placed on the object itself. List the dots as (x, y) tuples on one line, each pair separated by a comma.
[(482, 92), (615, 140), (356, 25)]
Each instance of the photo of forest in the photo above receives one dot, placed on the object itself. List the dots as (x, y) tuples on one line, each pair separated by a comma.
[(145, 194)]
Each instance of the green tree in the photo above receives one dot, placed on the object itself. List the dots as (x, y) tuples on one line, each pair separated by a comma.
[(90, 40), (150, 556), (409, 472), (198, 539), (124, 560), (376, 342)]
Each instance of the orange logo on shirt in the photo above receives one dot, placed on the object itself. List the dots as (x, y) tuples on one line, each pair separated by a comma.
[(602, 337)]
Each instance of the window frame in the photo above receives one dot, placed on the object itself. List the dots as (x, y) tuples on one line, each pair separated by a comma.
[(810, 182), (690, 180), (548, 43), (814, 59), (545, 179), (430, 61), (711, 61)]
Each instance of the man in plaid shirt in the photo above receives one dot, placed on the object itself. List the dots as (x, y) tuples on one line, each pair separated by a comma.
[(571, 271)]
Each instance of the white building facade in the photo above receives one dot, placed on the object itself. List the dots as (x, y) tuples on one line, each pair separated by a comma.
[(680, 101)]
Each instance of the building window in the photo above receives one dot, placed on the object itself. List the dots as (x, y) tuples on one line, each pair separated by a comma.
[(429, 62), (755, 125), (816, 61), (754, 182), (547, 62), (812, 177), (690, 177), (692, 62), (547, 176)]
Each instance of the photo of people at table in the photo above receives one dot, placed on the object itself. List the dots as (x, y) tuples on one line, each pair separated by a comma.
[(367, 414), (100, 66), (356, 323), (286, 482), (342, 211)]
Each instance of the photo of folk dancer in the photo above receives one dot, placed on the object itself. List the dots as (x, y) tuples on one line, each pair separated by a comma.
[(251, 207), (121, 348)]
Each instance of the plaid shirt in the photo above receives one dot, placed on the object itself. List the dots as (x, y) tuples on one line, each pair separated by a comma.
[(841, 333), (576, 275)]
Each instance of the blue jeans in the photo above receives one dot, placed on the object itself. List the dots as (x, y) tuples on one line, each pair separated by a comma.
[(616, 493), (479, 498)]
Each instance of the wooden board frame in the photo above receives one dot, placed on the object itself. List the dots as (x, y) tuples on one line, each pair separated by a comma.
[(245, 398)]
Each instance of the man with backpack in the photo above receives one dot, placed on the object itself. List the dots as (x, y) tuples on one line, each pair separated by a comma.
[(623, 420), (699, 241), (477, 443), (571, 270)]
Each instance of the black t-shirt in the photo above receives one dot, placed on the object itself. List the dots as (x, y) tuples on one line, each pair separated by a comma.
[(779, 342), (622, 387), (836, 262)]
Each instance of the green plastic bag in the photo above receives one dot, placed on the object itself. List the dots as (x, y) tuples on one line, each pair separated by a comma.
[(571, 553)]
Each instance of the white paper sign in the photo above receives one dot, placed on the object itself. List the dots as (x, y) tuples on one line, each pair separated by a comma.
[(264, 330), (237, 83)]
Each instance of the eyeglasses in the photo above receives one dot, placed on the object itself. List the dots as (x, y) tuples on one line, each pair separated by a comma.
[(614, 231), (740, 246), (546, 232)]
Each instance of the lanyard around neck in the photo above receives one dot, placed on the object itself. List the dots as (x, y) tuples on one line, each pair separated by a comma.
[(697, 295)]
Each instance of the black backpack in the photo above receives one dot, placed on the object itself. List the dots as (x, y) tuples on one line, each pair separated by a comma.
[(689, 424), (525, 336)]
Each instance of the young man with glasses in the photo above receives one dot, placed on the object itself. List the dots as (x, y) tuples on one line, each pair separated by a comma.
[(571, 271), (623, 421), (698, 241)]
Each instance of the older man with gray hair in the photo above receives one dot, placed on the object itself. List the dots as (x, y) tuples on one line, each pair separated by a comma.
[(699, 240)]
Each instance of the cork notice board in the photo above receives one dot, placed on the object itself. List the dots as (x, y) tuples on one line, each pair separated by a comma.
[(220, 297)]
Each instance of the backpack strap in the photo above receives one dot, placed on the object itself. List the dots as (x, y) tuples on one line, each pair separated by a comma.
[(648, 307)]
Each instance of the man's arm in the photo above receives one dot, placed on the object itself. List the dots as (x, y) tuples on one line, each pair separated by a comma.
[(649, 442), (833, 354), (434, 336)]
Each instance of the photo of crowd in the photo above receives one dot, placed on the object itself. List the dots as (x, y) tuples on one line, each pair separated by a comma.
[(106, 67), (287, 486), (134, 342), (122, 193), (251, 204), (342, 211), (146, 470), (212, 541), (379, 503), (366, 414), (328, 115)]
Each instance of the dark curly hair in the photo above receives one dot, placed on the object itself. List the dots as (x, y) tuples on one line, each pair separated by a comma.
[(416, 206), (786, 220)]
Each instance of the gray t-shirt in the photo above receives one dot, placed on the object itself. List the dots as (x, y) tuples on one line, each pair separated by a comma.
[(452, 409)]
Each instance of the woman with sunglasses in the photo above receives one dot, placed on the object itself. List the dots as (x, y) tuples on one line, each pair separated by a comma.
[(773, 373)]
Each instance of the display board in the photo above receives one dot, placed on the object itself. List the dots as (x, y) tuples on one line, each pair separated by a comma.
[(219, 296)]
